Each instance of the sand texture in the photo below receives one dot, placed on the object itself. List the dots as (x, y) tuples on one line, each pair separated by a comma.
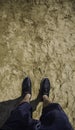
[(37, 40)]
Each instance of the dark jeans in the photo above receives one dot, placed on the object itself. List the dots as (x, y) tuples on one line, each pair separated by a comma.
[(53, 118)]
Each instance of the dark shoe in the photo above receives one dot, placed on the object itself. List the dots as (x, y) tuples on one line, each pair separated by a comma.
[(26, 86), (45, 87)]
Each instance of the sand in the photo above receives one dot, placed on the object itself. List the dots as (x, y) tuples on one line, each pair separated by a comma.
[(37, 40)]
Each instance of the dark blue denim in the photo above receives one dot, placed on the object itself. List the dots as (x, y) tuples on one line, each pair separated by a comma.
[(53, 118)]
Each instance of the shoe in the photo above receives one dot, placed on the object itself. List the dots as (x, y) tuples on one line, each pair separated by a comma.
[(45, 87), (26, 86)]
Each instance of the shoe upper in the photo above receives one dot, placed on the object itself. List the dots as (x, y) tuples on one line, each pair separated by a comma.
[(26, 86), (45, 86)]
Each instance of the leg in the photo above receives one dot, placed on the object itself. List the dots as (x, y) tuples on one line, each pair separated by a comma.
[(21, 116), (47, 115), (26, 98), (46, 101), (53, 117)]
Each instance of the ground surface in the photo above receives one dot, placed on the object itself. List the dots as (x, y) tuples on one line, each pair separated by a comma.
[(37, 40)]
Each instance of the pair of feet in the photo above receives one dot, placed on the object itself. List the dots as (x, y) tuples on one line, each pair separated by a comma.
[(44, 87)]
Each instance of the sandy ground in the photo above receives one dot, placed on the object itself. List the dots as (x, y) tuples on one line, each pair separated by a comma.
[(37, 40)]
